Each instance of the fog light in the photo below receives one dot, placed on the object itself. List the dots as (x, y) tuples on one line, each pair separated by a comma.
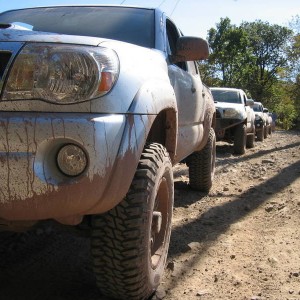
[(71, 160)]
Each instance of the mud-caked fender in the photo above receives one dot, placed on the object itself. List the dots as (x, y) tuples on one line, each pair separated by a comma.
[(153, 97), (158, 98), (152, 100)]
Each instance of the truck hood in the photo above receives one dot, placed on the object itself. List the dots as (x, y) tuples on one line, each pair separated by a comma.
[(224, 105), (13, 34)]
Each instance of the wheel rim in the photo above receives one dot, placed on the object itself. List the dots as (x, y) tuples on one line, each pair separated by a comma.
[(159, 224)]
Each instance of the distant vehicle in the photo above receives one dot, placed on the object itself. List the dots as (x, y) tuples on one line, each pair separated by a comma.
[(97, 104), (234, 118), (272, 118), (261, 121), (268, 128)]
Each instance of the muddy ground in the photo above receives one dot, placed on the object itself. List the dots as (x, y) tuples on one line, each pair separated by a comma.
[(240, 242)]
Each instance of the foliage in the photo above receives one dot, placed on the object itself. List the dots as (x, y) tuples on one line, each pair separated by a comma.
[(296, 96), (286, 113), (230, 53), (269, 45), (294, 54)]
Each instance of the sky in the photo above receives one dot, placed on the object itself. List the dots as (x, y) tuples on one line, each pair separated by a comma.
[(194, 17)]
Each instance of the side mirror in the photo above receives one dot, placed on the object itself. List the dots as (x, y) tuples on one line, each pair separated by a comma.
[(265, 110), (190, 49), (250, 102)]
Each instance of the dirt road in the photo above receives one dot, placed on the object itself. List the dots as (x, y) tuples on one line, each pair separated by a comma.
[(240, 242)]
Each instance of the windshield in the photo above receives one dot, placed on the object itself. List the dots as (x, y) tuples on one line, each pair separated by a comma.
[(132, 25), (257, 108), (226, 96)]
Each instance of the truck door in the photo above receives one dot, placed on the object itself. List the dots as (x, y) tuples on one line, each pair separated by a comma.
[(186, 81)]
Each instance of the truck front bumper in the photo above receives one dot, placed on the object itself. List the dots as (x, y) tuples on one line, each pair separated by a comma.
[(32, 185)]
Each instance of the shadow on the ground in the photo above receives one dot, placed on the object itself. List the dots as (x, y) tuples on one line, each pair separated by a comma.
[(218, 219), (238, 158), (52, 265)]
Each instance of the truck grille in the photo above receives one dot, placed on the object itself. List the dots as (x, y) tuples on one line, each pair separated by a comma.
[(4, 59)]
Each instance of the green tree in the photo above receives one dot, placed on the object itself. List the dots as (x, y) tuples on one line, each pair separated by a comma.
[(294, 56), (283, 104), (294, 53), (230, 55), (286, 113), (269, 45)]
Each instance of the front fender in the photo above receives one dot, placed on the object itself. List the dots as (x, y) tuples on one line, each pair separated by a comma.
[(152, 98), (130, 150), (144, 110), (158, 97)]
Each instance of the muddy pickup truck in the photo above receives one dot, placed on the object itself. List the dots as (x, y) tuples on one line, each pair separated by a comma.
[(235, 119), (97, 104), (261, 121)]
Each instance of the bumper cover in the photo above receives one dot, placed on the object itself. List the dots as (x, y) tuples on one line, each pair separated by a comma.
[(31, 185)]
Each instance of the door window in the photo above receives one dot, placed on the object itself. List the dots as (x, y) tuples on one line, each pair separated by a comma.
[(173, 35)]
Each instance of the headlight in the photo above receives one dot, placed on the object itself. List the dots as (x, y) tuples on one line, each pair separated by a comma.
[(62, 74), (232, 113)]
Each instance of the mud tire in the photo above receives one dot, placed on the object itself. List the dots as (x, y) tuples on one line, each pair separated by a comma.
[(266, 132), (129, 245), (240, 137), (270, 130), (250, 141), (260, 134), (202, 165)]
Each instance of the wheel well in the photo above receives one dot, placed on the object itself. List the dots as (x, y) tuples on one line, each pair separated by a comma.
[(164, 131)]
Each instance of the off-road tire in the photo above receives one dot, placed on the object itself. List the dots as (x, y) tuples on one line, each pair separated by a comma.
[(260, 134), (240, 137), (202, 165), (266, 132), (250, 140), (270, 130), (130, 242)]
